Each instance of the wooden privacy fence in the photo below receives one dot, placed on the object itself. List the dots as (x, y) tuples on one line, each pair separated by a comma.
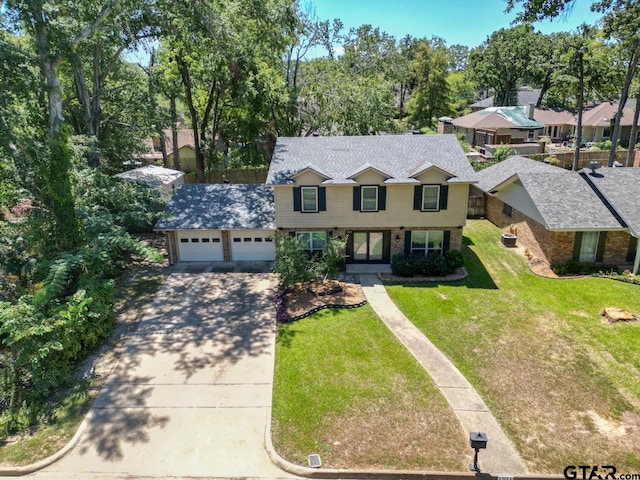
[(234, 175), (476, 206), (586, 156)]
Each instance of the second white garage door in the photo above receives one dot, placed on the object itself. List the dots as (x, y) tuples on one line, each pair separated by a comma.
[(200, 246), (252, 245)]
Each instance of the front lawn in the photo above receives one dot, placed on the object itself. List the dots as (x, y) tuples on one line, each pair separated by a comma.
[(346, 389), (565, 386)]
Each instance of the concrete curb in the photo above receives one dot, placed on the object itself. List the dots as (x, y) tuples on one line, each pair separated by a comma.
[(45, 462)]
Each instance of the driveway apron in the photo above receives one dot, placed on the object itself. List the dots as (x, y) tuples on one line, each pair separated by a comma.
[(191, 394)]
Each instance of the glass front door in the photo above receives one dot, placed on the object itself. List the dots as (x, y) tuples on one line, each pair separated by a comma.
[(368, 246)]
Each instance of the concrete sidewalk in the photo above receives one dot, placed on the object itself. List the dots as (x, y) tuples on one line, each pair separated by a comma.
[(500, 458)]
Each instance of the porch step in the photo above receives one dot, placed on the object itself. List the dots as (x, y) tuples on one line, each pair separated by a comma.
[(357, 268)]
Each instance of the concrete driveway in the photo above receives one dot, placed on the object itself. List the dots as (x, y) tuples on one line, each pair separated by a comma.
[(191, 395)]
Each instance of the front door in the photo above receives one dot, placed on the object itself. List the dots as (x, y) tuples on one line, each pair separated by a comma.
[(369, 247)]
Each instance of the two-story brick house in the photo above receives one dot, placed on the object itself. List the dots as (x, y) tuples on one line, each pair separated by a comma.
[(387, 194)]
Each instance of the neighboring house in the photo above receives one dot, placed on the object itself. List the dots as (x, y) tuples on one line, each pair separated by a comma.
[(186, 147), (387, 193), (559, 124), (166, 180), (597, 123), (220, 222), (562, 215), (526, 95), (498, 125)]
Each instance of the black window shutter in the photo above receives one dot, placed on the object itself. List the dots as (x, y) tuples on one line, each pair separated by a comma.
[(386, 246), (407, 242), (292, 234), (444, 196), (356, 198), (382, 198), (322, 199), (446, 240), (633, 245), (577, 242), (349, 249), (602, 239), (296, 199), (417, 197)]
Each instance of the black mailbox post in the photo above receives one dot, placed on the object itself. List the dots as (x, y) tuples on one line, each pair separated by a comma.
[(477, 441)]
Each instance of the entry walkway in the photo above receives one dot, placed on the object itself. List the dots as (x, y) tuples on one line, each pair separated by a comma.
[(500, 458)]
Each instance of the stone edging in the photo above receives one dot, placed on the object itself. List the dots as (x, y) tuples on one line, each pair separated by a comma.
[(454, 277), (19, 471), (322, 307)]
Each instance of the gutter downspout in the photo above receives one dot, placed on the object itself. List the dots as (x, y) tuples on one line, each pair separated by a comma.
[(636, 263)]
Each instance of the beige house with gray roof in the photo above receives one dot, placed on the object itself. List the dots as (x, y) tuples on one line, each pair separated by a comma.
[(387, 193)]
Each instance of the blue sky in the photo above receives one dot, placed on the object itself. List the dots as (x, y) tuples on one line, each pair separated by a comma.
[(467, 22)]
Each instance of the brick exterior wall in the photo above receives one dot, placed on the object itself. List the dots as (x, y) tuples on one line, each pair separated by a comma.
[(226, 246), (555, 247), (455, 238)]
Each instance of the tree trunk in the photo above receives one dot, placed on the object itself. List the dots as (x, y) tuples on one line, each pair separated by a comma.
[(186, 81), (173, 113), (631, 153), (544, 89), (57, 192), (631, 69), (576, 153)]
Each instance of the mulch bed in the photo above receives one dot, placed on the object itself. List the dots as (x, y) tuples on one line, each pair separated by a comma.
[(303, 299)]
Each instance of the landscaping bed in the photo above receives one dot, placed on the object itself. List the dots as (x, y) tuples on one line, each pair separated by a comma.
[(305, 298)]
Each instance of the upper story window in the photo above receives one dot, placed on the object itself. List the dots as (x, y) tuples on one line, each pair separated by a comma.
[(309, 199), (369, 199), (430, 198)]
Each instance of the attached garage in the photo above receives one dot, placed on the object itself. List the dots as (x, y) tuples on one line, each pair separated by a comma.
[(200, 246), (252, 245), (220, 222)]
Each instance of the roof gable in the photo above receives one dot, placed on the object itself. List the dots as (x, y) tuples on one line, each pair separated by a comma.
[(491, 177)]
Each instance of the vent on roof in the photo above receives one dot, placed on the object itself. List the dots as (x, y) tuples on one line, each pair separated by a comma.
[(593, 166)]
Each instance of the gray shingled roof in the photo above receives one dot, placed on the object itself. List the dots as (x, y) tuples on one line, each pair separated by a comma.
[(525, 96), (491, 177), (620, 187), (567, 202), (340, 157), (220, 206)]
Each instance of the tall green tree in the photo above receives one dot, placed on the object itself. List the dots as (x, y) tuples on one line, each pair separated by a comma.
[(504, 60), (431, 96)]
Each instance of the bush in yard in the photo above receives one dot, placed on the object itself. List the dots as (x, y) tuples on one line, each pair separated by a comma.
[(454, 259), (332, 260), (403, 265), (434, 264), (292, 262)]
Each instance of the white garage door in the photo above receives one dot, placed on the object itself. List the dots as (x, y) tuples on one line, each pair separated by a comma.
[(252, 245), (200, 246)]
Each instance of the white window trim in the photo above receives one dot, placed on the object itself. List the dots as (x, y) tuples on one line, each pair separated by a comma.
[(302, 190), (362, 209), (437, 199), (311, 249), (426, 244)]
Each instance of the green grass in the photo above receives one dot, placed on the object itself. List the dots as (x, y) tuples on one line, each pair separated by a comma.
[(346, 388), (563, 384)]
